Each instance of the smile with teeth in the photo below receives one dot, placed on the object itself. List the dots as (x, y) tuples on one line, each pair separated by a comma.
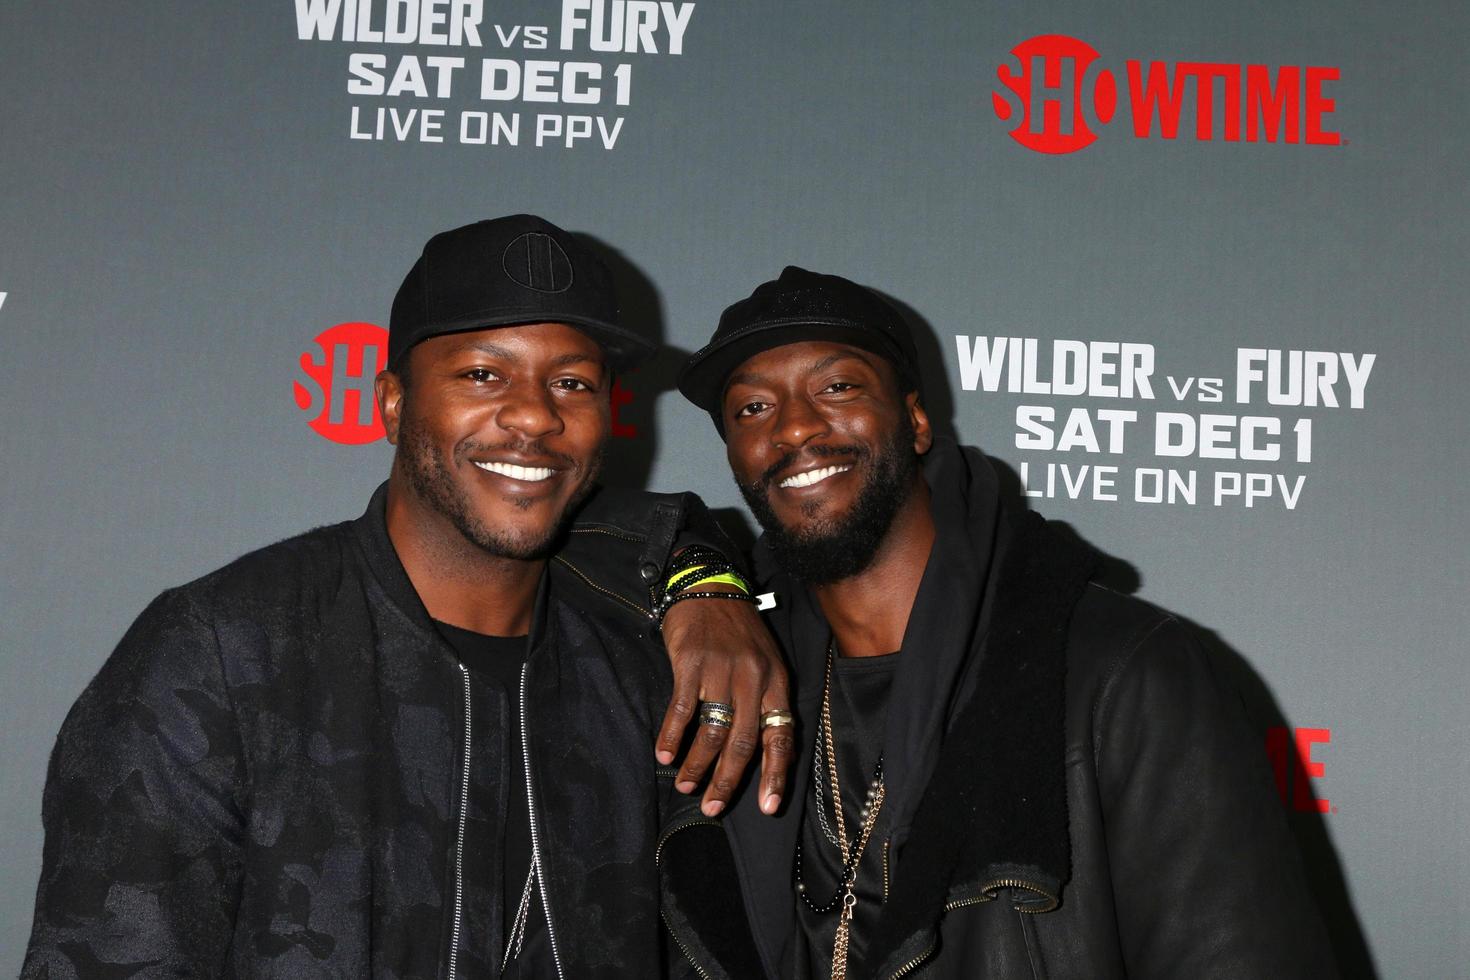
[(811, 477), (526, 474)]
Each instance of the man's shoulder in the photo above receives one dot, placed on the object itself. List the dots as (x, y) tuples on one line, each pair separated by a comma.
[(1051, 569), (1113, 623), (1121, 642), (289, 571)]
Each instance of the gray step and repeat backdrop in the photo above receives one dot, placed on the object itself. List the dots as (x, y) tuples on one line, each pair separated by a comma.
[(1192, 272)]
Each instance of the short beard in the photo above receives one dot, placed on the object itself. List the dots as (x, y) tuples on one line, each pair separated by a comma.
[(831, 550), (433, 483)]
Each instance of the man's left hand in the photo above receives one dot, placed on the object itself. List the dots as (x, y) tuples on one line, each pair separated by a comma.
[(722, 651)]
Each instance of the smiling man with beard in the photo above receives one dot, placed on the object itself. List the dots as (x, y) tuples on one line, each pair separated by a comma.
[(1005, 769), (824, 548), (419, 744)]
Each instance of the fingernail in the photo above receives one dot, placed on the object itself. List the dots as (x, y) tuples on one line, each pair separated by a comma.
[(713, 808), (664, 757), (771, 803), (685, 787)]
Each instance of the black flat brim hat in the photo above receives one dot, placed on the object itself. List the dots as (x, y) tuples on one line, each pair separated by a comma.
[(798, 306), (508, 271)]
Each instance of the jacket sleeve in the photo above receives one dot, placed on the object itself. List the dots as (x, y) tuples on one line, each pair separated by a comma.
[(701, 528), (1207, 880), (661, 524), (143, 812)]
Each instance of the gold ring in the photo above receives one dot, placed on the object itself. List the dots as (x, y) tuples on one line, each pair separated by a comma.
[(777, 717)]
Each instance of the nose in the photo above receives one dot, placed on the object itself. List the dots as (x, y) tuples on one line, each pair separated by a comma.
[(530, 411), (797, 422)]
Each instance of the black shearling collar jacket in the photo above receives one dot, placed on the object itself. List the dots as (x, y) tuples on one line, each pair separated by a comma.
[(283, 771), (1074, 791)]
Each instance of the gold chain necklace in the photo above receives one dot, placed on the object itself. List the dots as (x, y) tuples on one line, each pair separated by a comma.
[(851, 855)]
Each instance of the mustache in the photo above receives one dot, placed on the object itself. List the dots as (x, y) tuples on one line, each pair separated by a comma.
[(790, 459), (519, 447)]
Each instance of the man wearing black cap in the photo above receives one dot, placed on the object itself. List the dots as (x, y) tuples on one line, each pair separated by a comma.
[(417, 744), (1005, 770)]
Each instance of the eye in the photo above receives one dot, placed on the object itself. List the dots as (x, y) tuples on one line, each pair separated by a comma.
[(749, 409), (573, 384), (838, 387), (481, 375)]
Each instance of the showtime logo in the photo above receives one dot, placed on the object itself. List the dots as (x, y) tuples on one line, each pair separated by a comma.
[(336, 393), (1062, 96)]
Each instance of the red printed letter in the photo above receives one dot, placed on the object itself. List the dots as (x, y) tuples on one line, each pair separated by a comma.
[(1263, 106), (1292, 765), (1303, 799), (1317, 106), (1157, 92)]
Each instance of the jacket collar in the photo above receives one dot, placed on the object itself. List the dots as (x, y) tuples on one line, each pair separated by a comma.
[(944, 626), (371, 531)]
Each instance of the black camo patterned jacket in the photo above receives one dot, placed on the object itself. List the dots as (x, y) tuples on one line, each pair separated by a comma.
[(282, 771)]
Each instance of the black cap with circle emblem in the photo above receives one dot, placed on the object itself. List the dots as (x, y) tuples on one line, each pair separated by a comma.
[(506, 271)]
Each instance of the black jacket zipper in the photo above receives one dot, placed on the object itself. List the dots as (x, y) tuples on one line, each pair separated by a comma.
[(536, 861)]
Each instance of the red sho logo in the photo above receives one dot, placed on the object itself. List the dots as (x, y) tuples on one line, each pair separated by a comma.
[(336, 391), (1059, 97)]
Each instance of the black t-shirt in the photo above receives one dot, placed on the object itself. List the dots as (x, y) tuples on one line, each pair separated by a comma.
[(497, 662), (860, 695)]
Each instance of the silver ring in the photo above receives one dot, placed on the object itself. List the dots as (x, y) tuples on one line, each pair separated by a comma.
[(717, 714)]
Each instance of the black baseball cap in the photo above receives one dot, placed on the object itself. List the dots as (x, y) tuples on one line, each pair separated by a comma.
[(799, 306), (505, 271)]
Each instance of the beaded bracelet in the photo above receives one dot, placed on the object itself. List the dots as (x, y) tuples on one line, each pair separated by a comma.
[(667, 604), (698, 565), (685, 577), (693, 567), (724, 578), (693, 557)]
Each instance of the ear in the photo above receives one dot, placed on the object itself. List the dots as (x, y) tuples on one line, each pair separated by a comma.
[(388, 390), (919, 418)]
